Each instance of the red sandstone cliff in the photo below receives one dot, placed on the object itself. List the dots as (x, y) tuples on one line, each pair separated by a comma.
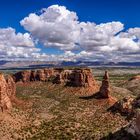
[(70, 77), (7, 89)]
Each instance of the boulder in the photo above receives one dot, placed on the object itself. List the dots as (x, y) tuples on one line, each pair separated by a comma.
[(125, 106)]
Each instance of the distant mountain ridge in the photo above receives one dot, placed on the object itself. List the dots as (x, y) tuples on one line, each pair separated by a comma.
[(35, 64)]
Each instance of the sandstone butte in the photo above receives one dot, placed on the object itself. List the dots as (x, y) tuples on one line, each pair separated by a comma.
[(79, 77), (7, 91), (71, 77)]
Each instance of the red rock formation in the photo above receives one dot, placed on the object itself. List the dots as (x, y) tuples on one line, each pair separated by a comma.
[(33, 75), (105, 87), (40, 75), (23, 76), (134, 127), (125, 106), (11, 86), (135, 78), (48, 72), (70, 77), (81, 78), (5, 102), (58, 79)]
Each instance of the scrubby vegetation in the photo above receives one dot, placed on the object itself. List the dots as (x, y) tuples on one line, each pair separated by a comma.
[(56, 112)]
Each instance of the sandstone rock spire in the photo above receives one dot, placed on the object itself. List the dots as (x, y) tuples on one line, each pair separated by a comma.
[(105, 87)]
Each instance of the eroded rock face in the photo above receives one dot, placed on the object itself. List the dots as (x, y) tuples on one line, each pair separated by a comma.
[(40, 75), (83, 78), (58, 79), (23, 76), (5, 93), (33, 75), (135, 78), (11, 86), (70, 77), (134, 127), (125, 106), (105, 87)]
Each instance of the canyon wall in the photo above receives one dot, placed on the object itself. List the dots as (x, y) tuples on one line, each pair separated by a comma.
[(7, 91), (81, 77)]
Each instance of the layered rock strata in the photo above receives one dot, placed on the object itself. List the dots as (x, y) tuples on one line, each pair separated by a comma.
[(7, 91), (105, 87)]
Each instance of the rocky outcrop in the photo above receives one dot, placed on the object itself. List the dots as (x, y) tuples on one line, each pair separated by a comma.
[(23, 76), (40, 75), (58, 79), (7, 89), (81, 77), (33, 75), (105, 87), (135, 78), (134, 127), (11, 86), (125, 106)]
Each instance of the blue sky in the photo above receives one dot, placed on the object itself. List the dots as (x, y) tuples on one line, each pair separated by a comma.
[(97, 11)]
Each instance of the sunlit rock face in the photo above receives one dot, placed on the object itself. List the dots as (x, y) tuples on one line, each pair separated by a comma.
[(125, 106), (137, 77), (7, 90), (11, 86), (105, 87), (81, 77)]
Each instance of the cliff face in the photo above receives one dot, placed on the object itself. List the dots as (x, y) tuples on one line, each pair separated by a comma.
[(7, 90), (70, 77), (11, 87)]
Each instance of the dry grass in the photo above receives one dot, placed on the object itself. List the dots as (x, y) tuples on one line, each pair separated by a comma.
[(56, 112)]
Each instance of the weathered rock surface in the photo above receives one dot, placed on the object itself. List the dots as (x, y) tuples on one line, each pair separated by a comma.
[(134, 127), (11, 86), (105, 87), (137, 77), (125, 106), (7, 90), (70, 77)]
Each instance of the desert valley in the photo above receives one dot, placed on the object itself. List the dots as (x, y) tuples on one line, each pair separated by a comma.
[(69, 70), (70, 103)]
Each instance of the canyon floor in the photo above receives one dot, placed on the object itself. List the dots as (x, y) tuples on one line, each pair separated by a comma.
[(49, 112)]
